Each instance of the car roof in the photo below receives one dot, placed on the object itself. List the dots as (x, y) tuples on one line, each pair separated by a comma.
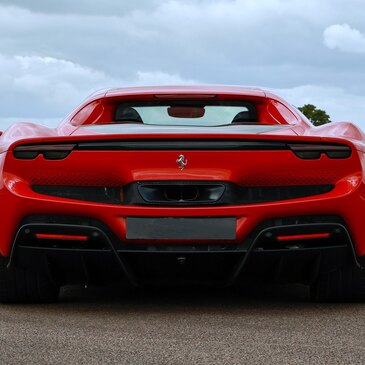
[(184, 89)]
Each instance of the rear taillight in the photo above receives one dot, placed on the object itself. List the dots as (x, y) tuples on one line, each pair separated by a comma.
[(67, 237), (305, 236), (49, 151), (314, 151)]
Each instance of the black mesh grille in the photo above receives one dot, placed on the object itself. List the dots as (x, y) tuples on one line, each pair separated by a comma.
[(211, 193), (182, 193), (98, 194)]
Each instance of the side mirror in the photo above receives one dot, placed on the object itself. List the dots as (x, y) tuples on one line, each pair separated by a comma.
[(1, 133)]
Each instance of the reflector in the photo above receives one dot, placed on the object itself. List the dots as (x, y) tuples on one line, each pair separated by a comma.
[(49, 236), (310, 236)]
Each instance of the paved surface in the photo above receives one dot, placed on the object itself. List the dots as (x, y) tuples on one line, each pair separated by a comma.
[(102, 326)]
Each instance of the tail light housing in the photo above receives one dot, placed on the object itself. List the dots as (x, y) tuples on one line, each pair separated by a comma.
[(49, 151), (314, 151), (302, 150)]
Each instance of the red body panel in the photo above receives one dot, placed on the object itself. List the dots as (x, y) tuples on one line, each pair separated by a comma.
[(243, 168)]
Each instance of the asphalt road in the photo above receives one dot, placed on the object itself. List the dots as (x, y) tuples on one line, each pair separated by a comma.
[(106, 326)]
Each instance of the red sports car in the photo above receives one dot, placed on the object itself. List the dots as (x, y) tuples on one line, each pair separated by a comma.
[(200, 184)]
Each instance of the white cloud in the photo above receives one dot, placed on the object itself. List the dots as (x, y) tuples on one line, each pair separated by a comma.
[(82, 6), (46, 88), (53, 54), (344, 38), (190, 37), (159, 78), (54, 79), (339, 104)]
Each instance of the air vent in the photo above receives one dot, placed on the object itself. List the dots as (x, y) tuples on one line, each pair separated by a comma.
[(181, 193), (208, 193)]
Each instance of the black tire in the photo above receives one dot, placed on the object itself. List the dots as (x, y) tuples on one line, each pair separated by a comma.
[(18, 285), (346, 284)]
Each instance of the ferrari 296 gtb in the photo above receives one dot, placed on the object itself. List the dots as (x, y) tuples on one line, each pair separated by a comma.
[(182, 185)]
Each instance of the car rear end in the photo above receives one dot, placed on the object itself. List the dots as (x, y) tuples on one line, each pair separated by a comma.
[(179, 209)]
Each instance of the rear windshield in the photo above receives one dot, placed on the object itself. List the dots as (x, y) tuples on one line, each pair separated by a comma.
[(189, 113)]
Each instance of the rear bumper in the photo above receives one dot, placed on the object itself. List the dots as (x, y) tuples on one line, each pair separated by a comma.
[(74, 253), (252, 170), (18, 207)]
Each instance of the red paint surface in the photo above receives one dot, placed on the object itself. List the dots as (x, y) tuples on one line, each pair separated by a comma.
[(245, 168)]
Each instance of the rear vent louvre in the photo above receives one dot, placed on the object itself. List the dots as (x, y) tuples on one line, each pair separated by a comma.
[(182, 194), (205, 193), (97, 194)]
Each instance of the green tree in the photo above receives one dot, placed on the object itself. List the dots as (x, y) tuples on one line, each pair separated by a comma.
[(315, 115)]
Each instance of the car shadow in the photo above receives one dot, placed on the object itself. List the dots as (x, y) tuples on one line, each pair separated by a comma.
[(189, 298), (270, 301)]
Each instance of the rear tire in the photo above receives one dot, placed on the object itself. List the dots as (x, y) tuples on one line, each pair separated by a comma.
[(19, 285), (346, 284)]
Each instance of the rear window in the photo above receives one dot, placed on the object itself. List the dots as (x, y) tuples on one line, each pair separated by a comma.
[(186, 113)]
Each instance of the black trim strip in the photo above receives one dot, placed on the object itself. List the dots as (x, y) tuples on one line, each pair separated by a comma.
[(27, 229), (182, 193), (269, 232), (160, 144), (338, 230)]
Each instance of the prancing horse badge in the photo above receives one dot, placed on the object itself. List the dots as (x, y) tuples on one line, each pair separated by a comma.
[(181, 162)]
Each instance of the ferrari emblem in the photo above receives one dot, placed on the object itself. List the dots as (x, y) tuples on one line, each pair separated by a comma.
[(181, 162)]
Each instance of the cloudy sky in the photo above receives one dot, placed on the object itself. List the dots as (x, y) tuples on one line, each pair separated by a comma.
[(53, 53)]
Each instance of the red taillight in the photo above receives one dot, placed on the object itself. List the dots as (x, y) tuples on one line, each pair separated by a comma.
[(314, 151), (69, 237), (49, 151), (310, 236)]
